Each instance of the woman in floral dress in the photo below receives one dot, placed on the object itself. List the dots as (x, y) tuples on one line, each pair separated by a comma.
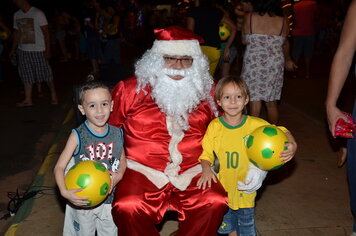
[(267, 53)]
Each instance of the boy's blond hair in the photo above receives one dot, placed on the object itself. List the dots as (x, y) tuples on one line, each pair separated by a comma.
[(236, 80)]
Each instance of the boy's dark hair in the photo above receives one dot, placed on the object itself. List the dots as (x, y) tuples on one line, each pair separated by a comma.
[(89, 85), (230, 79)]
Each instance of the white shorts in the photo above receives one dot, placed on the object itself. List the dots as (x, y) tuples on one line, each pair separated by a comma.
[(84, 222)]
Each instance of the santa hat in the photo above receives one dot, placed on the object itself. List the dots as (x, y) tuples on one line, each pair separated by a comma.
[(177, 41)]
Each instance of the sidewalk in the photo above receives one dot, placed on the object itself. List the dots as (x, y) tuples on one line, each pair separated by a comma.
[(307, 197)]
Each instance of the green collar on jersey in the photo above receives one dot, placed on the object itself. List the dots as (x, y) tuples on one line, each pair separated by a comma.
[(221, 119)]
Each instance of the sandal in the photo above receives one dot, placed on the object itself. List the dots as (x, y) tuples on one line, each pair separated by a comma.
[(23, 104)]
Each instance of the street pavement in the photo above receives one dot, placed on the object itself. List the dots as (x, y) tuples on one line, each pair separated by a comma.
[(28, 133), (306, 197)]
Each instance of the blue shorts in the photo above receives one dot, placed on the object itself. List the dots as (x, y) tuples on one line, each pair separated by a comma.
[(242, 221), (233, 54)]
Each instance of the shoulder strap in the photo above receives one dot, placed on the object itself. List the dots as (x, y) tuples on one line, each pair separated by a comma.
[(282, 27), (251, 23)]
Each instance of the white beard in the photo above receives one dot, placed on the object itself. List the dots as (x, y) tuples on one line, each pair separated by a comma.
[(176, 98)]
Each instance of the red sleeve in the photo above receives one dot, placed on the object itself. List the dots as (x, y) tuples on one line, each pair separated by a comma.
[(123, 95)]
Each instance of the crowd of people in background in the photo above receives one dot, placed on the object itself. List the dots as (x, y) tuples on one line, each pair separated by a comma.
[(102, 32), (98, 25)]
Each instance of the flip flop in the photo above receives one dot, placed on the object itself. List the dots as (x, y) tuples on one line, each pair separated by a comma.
[(23, 104)]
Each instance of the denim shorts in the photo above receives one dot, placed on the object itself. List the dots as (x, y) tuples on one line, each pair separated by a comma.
[(233, 54), (242, 221)]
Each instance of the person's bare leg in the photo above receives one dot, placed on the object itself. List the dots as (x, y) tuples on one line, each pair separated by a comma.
[(341, 156), (255, 108), (28, 96), (63, 48), (272, 112), (225, 69), (233, 233), (95, 66), (307, 68), (54, 99), (39, 89), (295, 72)]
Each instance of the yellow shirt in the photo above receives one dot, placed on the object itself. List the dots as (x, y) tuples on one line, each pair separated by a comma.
[(228, 144)]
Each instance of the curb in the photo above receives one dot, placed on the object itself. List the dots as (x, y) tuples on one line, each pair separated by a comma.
[(25, 210)]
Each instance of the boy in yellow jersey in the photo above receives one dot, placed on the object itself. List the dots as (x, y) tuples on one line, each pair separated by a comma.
[(225, 139)]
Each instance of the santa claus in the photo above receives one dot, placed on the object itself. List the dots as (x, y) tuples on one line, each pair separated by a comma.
[(164, 112)]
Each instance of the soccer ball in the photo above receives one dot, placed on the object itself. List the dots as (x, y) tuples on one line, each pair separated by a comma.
[(111, 29), (264, 146), (4, 35), (93, 178), (224, 31)]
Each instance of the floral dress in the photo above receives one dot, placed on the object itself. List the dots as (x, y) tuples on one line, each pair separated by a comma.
[(263, 66)]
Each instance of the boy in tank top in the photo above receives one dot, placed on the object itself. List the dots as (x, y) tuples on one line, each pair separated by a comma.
[(92, 140)]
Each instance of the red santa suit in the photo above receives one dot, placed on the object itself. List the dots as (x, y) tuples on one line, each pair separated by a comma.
[(148, 188)]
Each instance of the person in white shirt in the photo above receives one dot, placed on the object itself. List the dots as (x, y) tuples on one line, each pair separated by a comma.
[(31, 47)]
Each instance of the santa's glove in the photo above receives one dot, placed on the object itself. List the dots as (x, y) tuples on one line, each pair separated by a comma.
[(253, 181)]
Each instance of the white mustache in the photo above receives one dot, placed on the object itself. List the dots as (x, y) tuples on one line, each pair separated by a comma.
[(173, 72)]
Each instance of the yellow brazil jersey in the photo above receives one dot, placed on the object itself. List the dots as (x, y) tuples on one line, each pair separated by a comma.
[(228, 144)]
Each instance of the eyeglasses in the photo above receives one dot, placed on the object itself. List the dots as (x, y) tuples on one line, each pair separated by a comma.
[(186, 61)]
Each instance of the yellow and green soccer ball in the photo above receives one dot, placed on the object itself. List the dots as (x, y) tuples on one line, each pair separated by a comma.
[(264, 146), (111, 29), (93, 178), (224, 31), (4, 35)]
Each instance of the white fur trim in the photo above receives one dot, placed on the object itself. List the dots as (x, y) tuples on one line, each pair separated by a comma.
[(177, 134), (158, 178), (183, 180), (177, 47)]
